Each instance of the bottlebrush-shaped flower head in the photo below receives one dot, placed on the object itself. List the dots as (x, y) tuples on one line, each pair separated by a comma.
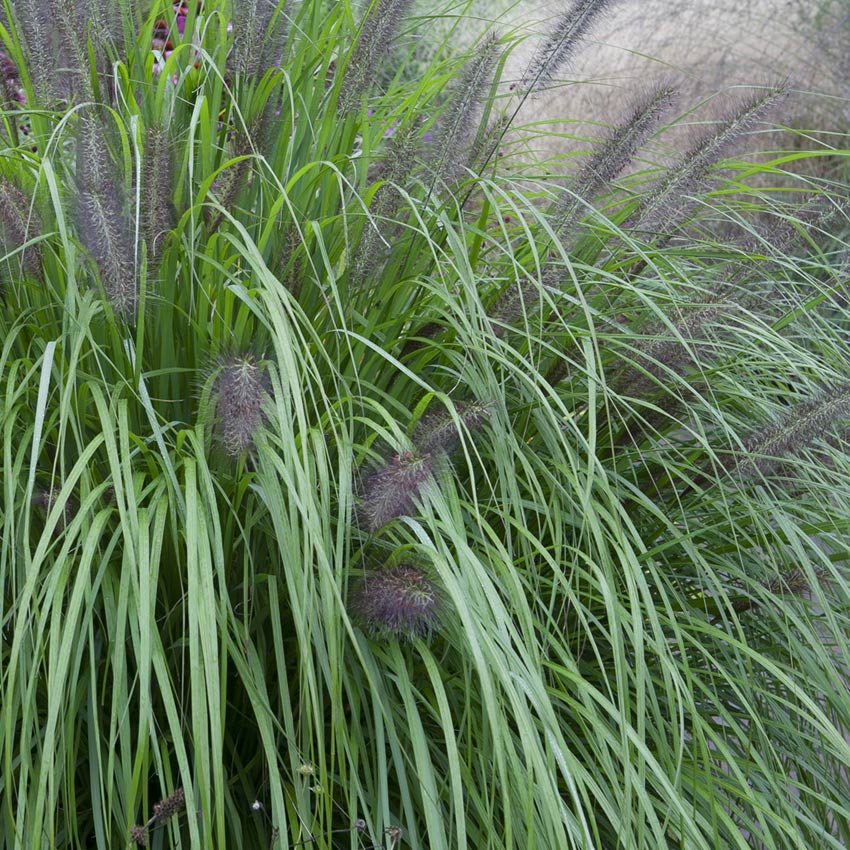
[(103, 220), (400, 602), (390, 492), (438, 432), (238, 390), (374, 42)]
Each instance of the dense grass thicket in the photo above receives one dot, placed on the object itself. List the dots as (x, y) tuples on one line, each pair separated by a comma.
[(356, 493)]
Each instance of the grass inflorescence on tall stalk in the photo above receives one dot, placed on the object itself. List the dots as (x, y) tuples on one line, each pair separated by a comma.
[(358, 494)]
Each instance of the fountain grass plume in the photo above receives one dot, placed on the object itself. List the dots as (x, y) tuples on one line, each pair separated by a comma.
[(70, 19), (394, 170), (793, 583), (438, 432), (377, 33), (520, 298), (103, 219), (401, 602), (770, 447), (19, 223), (231, 180), (35, 23), (392, 490), (612, 155), (675, 350), (259, 35), (463, 114), (662, 209), (571, 28), (238, 392), (158, 215)]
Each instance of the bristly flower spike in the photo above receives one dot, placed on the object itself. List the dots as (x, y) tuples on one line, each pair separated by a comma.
[(103, 219), (19, 223), (674, 352), (612, 155), (438, 432), (664, 207), (157, 186), (239, 390), (393, 170), (559, 47), (390, 492), (377, 33), (33, 19), (463, 114), (765, 451), (259, 36), (400, 602)]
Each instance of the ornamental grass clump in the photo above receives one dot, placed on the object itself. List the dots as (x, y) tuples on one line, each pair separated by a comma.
[(303, 373)]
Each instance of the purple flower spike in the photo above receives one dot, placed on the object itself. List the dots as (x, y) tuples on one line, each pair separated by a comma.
[(400, 602), (390, 491)]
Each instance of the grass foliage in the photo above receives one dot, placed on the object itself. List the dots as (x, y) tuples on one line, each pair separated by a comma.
[(356, 493)]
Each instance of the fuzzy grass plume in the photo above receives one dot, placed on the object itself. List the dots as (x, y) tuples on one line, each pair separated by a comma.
[(19, 222), (374, 42), (462, 117), (400, 602), (259, 30), (158, 215), (391, 491), (103, 217), (571, 27), (767, 449), (238, 390)]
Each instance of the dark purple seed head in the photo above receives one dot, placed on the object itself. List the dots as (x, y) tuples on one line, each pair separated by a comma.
[(239, 390), (400, 602), (390, 492), (438, 432), (170, 806)]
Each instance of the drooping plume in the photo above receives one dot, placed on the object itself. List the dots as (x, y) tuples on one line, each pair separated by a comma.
[(462, 116), (400, 602), (391, 491), (374, 42), (239, 390), (438, 432), (571, 27), (611, 156), (103, 218), (768, 448), (663, 208), (675, 351)]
